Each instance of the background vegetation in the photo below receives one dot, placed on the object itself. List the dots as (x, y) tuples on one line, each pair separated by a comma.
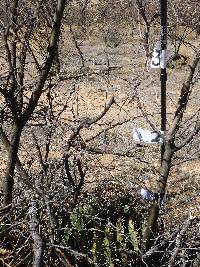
[(74, 81)]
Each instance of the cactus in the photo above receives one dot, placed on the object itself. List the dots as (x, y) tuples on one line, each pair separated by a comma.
[(108, 245), (99, 248), (133, 235)]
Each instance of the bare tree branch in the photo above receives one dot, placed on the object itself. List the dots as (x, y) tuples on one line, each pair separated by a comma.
[(190, 137), (34, 229), (183, 100), (87, 122), (54, 38)]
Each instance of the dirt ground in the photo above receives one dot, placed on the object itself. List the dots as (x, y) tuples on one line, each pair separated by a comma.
[(123, 160)]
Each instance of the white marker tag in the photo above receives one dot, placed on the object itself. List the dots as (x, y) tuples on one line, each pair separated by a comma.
[(146, 136), (158, 60), (155, 61)]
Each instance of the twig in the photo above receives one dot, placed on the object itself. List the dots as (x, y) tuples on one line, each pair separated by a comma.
[(86, 123)]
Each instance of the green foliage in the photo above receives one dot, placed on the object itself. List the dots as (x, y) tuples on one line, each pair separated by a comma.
[(105, 225)]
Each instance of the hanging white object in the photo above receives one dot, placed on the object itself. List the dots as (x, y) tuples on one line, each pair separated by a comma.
[(146, 136), (147, 194), (155, 61), (158, 60)]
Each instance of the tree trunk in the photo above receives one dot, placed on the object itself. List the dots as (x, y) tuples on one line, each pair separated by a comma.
[(23, 118), (151, 229), (165, 168), (11, 161)]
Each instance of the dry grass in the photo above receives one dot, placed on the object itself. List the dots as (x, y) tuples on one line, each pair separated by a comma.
[(89, 99)]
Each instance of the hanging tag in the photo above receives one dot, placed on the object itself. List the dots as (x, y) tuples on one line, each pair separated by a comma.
[(155, 61), (158, 60)]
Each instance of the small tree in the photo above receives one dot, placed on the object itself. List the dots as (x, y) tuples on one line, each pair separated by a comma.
[(17, 33), (172, 145)]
